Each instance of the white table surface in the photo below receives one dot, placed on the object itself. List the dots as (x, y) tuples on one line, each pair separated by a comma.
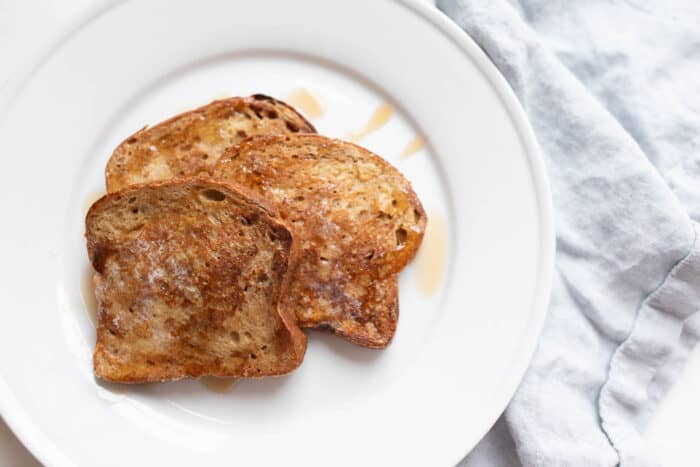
[(26, 27)]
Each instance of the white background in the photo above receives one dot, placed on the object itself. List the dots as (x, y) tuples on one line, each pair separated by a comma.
[(26, 29)]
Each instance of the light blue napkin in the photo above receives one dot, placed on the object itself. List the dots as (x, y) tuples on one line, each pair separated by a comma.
[(612, 90)]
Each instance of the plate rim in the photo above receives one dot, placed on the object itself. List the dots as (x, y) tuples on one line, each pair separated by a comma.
[(46, 452), (547, 241)]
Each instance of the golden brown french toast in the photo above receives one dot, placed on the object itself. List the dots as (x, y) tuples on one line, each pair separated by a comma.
[(190, 143), (356, 218), (189, 280)]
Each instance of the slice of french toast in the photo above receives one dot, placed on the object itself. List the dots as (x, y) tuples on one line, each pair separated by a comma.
[(190, 143), (356, 218), (189, 280)]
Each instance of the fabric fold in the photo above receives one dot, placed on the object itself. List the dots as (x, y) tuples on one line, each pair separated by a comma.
[(656, 334)]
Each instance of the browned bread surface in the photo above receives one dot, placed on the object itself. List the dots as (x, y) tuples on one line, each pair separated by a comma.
[(190, 275), (190, 143), (356, 218)]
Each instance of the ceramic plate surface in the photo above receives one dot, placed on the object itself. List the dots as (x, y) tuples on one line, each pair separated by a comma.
[(424, 97)]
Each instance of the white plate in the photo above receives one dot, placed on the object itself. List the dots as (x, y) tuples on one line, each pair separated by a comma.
[(459, 353)]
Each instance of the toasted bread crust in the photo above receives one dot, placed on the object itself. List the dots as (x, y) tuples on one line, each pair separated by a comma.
[(356, 218), (190, 143), (190, 276)]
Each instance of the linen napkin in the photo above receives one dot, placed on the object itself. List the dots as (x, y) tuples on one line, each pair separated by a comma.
[(612, 90)]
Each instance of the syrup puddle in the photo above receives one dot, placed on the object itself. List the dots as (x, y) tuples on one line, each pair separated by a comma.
[(378, 119), (432, 257), (413, 147), (219, 385), (308, 103)]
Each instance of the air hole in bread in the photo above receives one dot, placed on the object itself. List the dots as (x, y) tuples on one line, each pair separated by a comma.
[(264, 347), (245, 289), (292, 127), (401, 236), (253, 356), (241, 134), (245, 220), (132, 140), (299, 198), (134, 210), (323, 258), (132, 199), (182, 172), (369, 255), (185, 147), (393, 202), (271, 114), (262, 277), (150, 362), (213, 195), (416, 215), (235, 337), (205, 156), (248, 335), (131, 310), (272, 235), (257, 112)]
